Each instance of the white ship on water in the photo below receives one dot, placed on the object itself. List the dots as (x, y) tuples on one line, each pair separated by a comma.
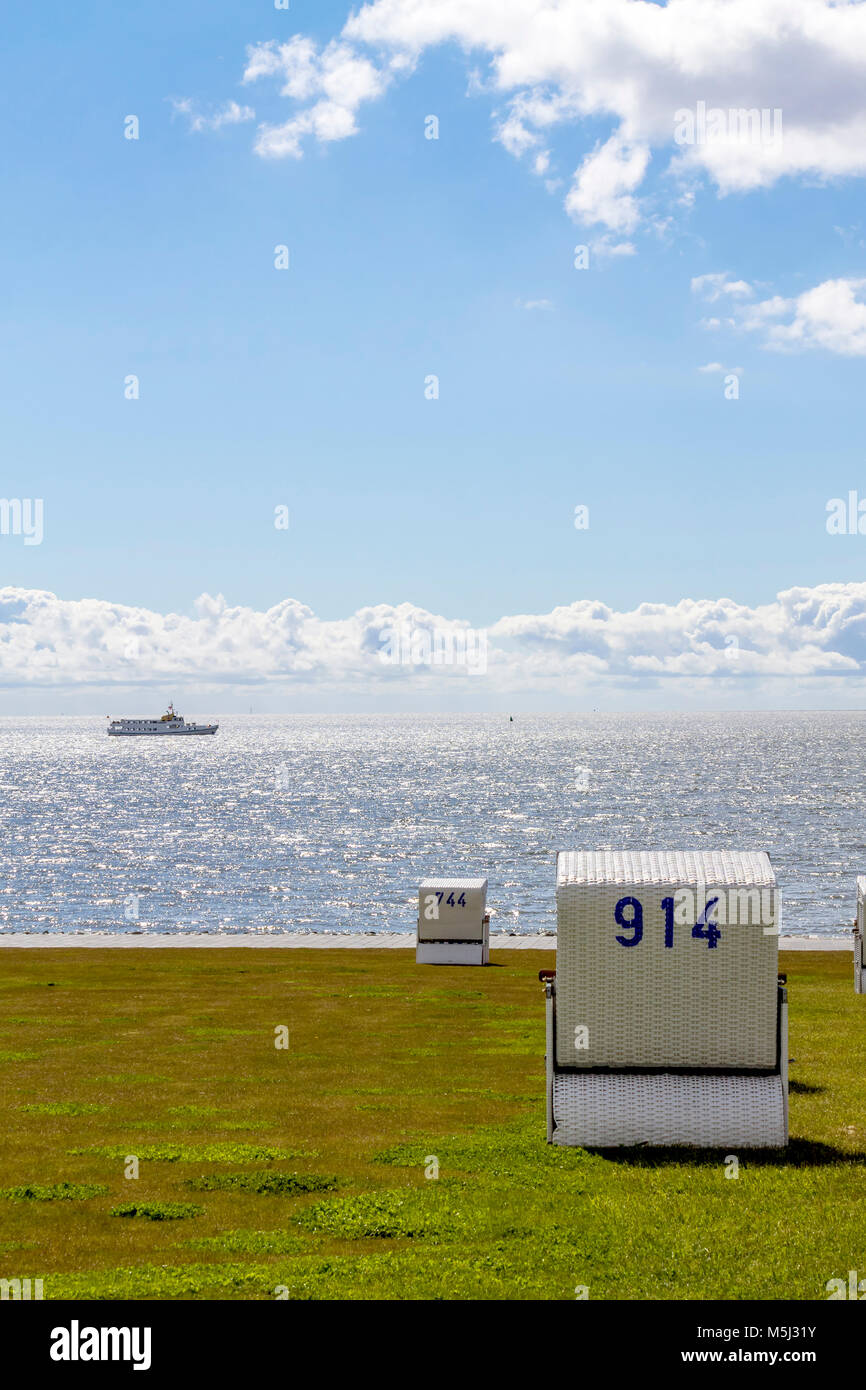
[(170, 723)]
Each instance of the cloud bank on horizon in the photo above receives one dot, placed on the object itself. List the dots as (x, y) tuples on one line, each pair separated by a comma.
[(806, 633), (626, 65)]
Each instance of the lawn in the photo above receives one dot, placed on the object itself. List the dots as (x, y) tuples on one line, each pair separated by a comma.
[(309, 1171)]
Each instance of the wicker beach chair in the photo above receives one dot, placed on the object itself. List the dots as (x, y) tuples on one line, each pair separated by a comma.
[(666, 1018), (453, 922)]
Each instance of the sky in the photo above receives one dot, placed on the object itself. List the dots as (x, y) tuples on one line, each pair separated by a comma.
[(304, 409)]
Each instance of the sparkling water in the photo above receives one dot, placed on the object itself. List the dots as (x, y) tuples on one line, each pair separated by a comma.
[(328, 823)]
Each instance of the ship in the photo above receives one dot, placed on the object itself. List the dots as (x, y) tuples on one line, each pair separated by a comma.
[(170, 723)]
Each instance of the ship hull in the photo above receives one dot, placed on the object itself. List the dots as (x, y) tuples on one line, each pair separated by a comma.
[(159, 733)]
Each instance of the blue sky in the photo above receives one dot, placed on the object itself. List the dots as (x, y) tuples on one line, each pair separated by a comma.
[(409, 257)]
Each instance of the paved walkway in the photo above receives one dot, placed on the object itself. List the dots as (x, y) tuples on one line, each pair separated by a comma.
[(376, 941)]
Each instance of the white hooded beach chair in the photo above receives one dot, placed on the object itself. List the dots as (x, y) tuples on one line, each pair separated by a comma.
[(666, 1018), (453, 922)]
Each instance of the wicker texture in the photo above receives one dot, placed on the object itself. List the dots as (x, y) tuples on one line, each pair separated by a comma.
[(613, 1110), (652, 1005)]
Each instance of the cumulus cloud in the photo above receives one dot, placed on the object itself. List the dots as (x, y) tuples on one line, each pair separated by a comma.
[(606, 246), (49, 642), (718, 367), (712, 287), (812, 632), (230, 114), (604, 184), (831, 316), (46, 640), (632, 67), (337, 81)]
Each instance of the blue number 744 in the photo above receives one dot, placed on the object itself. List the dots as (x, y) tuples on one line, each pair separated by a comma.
[(705, 929)]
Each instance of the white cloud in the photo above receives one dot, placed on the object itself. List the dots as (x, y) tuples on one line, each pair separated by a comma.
[(338, 81), (630, 65), (230, 114), (531, 304), (806, 632), (831, 316), (606, 246), (515, 136), (604, 184), (49, 642), (712, 287), (627, 64)]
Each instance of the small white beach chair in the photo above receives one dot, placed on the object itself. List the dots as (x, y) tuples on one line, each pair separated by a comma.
[(666, 1017), (453, 923), (860, 938)]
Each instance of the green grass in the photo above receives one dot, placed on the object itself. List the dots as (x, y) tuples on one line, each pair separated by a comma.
[(439, 1213), (394, 1071), (62, 1107), (164, 1281), (262, 1184), (251, 1243), (157, 1211), (200, 1153), (56, 1192)]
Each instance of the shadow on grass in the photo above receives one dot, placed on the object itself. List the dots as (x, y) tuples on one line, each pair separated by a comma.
[(800, 1088), (800, 1153)]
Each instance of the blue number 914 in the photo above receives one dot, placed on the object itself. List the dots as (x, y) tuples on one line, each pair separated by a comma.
[(704, 929)]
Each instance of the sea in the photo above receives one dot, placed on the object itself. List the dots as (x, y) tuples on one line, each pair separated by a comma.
[(327, 823)]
